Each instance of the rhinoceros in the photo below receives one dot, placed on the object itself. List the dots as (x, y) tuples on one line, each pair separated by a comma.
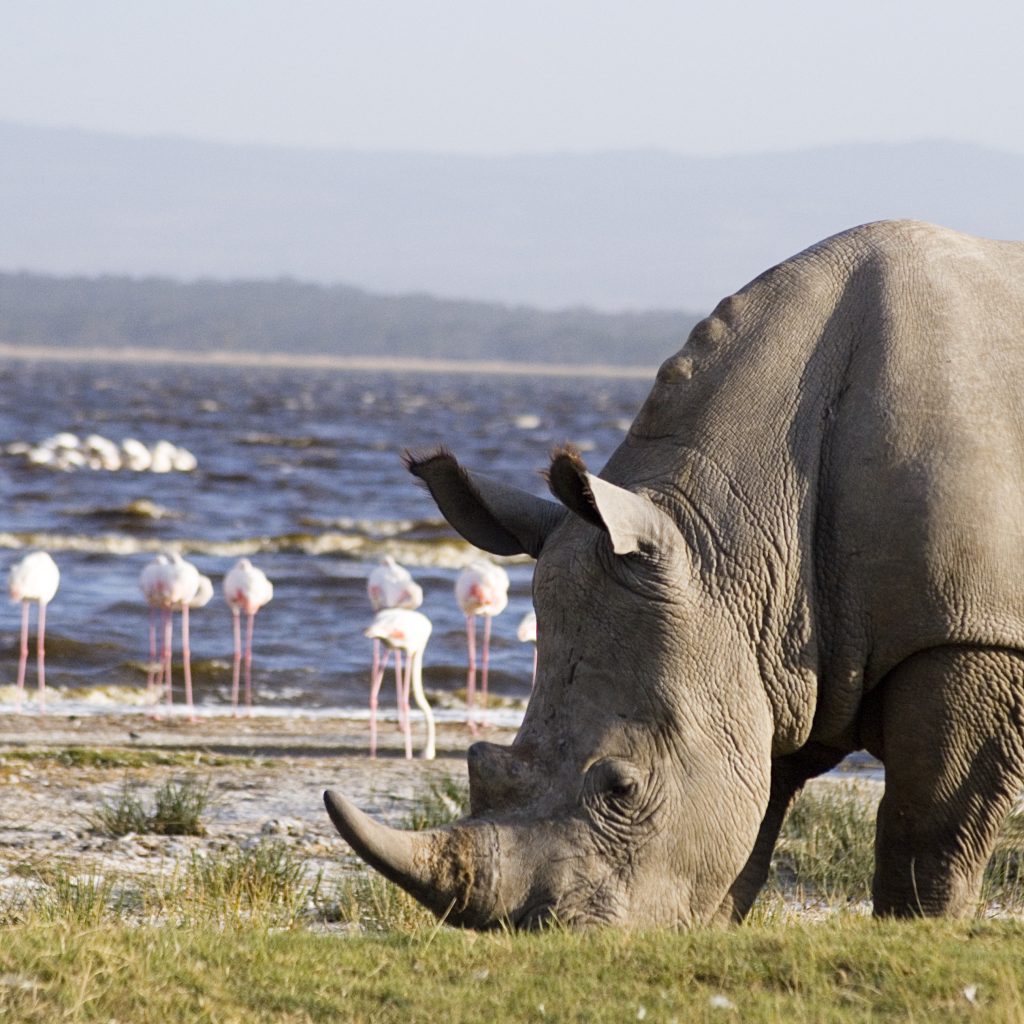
[(810, 542)]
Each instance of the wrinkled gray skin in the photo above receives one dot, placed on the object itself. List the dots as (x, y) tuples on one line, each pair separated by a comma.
[(811, 542)]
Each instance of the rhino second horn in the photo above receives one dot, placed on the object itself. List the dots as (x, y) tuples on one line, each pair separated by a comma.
[(441, 868)]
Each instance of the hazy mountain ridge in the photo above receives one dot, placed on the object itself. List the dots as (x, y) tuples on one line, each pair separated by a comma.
[(630, 230), (308, 319)]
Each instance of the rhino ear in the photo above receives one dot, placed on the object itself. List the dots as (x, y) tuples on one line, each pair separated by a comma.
[(490, 514), (628, 519)]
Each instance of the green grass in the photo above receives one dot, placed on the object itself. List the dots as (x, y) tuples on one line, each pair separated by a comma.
[(847, 970), (826, 847), (255, 934), (826, 852), (368, 903), (446, 801), (266, 883), (104, 758), (177, 810)]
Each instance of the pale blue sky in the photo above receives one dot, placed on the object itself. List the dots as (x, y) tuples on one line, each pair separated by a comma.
[(478, 76)]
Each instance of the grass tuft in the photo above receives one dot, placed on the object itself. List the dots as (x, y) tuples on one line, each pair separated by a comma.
[(177, 811), (826, 846), (374, 905), (1003, 884), (446, 801), (266, 882), (178, 808)]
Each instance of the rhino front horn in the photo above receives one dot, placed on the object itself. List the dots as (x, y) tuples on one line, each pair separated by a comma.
[(446, 869)]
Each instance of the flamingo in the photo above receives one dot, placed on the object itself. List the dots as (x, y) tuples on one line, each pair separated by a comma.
[(151, 582), (188, 577), (169, 584), (527, 634), (204, 592), (389, 585), (247, 589), (401, 629), (481, 589), (35, 578)]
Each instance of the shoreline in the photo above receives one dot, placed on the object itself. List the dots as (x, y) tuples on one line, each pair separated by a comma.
[(281, 360), (298, 735), (264, 777)]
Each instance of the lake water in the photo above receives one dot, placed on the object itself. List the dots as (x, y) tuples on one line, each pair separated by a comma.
[(299, 470)]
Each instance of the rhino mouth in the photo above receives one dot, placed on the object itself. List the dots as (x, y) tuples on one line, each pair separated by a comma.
[(537, 917)]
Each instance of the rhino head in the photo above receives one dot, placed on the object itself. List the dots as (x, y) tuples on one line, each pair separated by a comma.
[(633, 792)]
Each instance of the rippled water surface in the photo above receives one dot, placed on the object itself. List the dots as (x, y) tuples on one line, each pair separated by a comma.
[(298, 469)]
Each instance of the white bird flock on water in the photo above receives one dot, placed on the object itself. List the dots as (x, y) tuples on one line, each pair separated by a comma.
[(67, 451), (35, 578)]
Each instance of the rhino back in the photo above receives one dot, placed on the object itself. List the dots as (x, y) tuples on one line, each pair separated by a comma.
[(843, 443), (921, 498)]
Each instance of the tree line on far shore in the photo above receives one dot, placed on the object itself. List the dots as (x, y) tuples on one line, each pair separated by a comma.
[(308, 319)]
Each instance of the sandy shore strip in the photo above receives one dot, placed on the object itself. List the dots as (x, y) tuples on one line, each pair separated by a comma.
[(266, 778), (284, 360)]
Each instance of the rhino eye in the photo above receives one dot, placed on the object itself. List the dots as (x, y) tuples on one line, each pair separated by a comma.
[(615, 779)]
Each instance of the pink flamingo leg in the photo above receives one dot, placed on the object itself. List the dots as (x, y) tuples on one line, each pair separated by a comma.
[(400, 701), (248, 661), (41, 656), (236, 666), (186, 657), (168, 674), (403, 704), (406, 688), (471, 674), (485, 659), (376, 680), (23, 656), (151, 672)]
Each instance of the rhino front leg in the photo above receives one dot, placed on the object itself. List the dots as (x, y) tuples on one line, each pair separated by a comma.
[(789, 774), (952, 742)]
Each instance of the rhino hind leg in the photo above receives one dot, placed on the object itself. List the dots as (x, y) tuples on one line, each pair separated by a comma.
[(789, 774), (952, 741)]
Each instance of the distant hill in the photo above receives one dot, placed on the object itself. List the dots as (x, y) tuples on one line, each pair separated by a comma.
[(613, 231), (305, 319)]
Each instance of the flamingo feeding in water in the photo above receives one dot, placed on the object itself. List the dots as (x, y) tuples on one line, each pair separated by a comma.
[(389, 585), (246, 589), (35, 578), (527, 634), (481, 589), (401, 629), (170, 584), (151, 584), (199, 599)]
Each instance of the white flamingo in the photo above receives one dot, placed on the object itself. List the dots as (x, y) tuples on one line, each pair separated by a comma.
[(527, 634), (481, 589), (204, 592), (246, 589), (170, 584), (200, 598), (401, 629), (152, 585), (389, 585), (35, 578)]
